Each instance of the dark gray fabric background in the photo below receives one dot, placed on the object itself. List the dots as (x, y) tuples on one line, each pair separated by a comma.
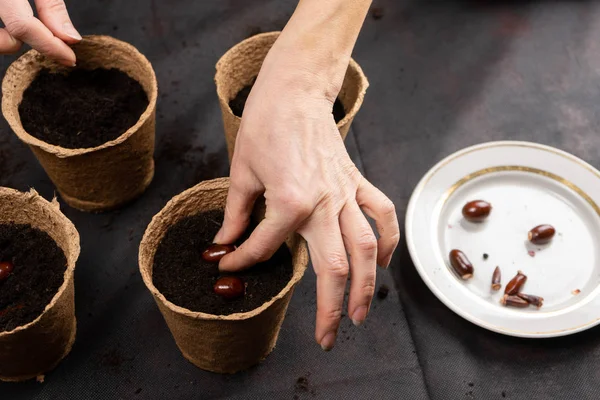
[(444, 75)]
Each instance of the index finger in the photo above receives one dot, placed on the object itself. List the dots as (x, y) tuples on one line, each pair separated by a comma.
[(20, 23), (264, 241)]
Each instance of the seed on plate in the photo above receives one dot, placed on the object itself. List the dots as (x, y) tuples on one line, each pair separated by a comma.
[(229, 287), (497, 279), (486, 256), (513, 301), (215, 252), (6, 268), (576, 292), (461, 264), (515, 284), (531, 299), (541, 234), (477, 210)]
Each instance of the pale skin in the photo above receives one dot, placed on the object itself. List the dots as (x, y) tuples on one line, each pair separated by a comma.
[(289, 151), (50, 34)]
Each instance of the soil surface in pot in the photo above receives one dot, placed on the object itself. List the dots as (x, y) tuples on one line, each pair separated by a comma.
[(39, 267), (82, 108), (186, 280), (238, 103)]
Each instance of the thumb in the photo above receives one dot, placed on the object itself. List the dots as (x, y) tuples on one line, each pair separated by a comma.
[(240, 201)]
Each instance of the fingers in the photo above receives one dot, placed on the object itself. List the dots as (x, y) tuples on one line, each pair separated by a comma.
[(8, 44), (264, 241), (242, 194), (53, 13), (20, 23), (361, 244), (382, 210), (286, 210), (331, 266)]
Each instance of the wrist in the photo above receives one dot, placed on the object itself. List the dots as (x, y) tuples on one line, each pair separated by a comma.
[(303, 72), (313, 51)]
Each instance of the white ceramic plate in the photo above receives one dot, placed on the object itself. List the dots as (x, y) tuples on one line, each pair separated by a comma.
[(527, 184)]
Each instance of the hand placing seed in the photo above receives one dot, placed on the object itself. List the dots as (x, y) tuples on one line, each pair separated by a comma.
[(229, 287), (215, 252), (514, 286), (6, 268), (541, 234), (461, 264), (497, 279), (476, 211)]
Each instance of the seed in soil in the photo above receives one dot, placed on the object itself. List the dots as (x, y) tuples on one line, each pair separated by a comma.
[(531, 299), (6, 268), (541, 234), (82, 108), (461, 264), (186, 279), (476, 210), (497, 279), (238, 103), (514, 286), (215, 252), (514, 301), (11, 308), (39, 269), (382, 292), (229, 287)]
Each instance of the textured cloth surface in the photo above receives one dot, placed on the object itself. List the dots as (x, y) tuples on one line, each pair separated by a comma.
[(444, 75)]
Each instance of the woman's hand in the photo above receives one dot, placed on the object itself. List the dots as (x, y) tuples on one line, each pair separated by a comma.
[(49, 34), (290, 149)]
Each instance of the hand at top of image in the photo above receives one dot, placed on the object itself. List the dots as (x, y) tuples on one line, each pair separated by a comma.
[(50, 34)]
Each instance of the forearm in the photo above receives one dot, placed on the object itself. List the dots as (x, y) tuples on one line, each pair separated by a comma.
[(314, 49)]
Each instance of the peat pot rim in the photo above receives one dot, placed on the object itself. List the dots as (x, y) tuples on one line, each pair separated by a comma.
[(72, 255), (218, 184), (270, 37), (31, 60)]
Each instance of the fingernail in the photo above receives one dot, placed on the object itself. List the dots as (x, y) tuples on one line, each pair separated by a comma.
[(328, 341), (68, 63), (219, 236), (70, 31), (359, 316)]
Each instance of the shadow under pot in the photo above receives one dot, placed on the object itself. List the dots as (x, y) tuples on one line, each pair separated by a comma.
[(222, 323), (92, 127), (40, 247), (238, 68)]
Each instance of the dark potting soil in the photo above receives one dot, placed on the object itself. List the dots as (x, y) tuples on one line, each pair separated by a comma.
[(238, 103), (186, 280), (39, 268), (83, 108)]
